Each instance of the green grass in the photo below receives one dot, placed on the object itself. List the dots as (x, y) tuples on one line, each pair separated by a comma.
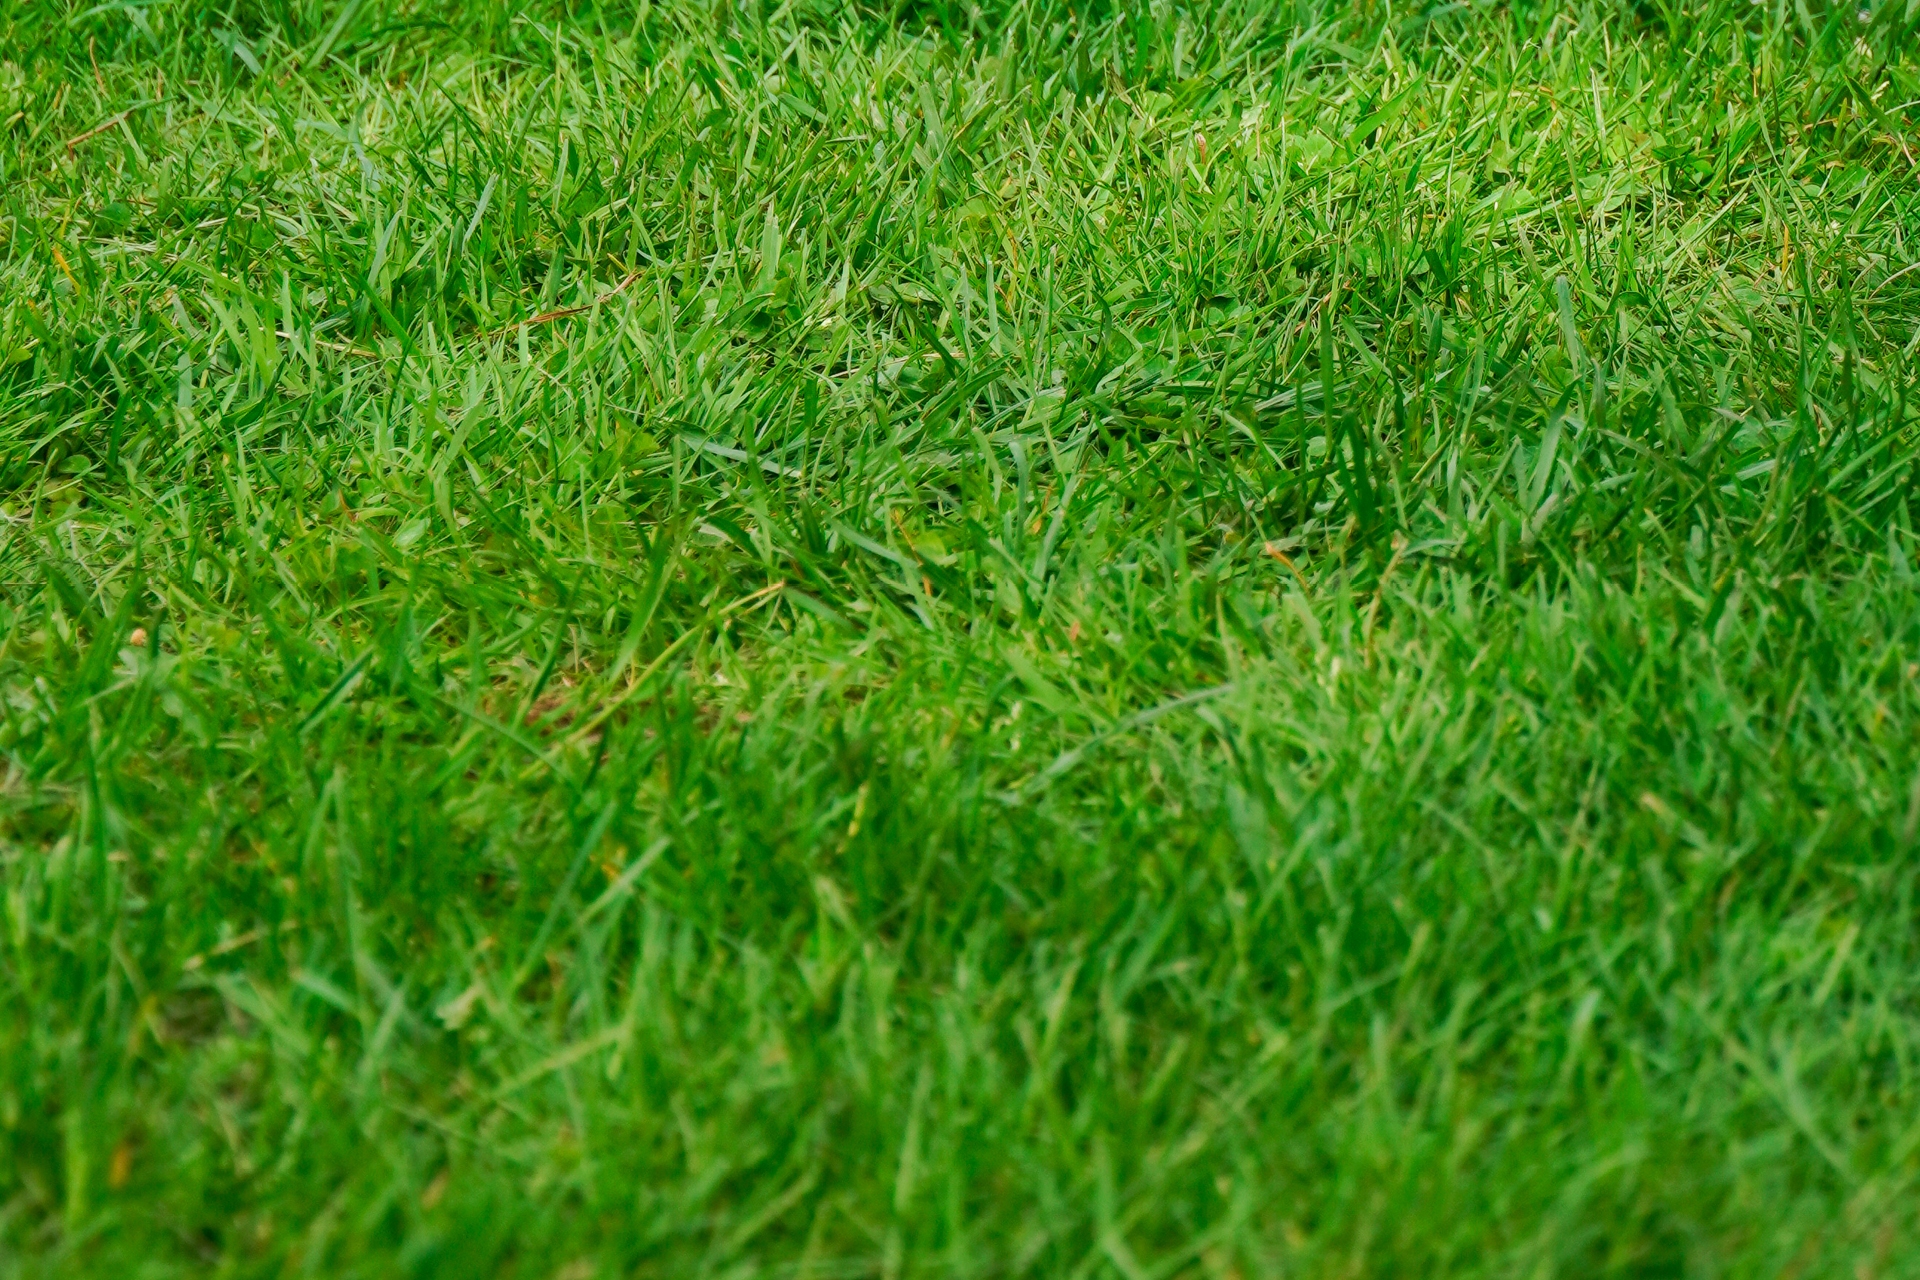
[(1028, 640)]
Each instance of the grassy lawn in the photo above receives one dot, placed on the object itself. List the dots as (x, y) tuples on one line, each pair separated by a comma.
[(1044, 638)]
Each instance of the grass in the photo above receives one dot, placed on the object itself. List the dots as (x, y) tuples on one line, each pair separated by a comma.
[(1026, 640)]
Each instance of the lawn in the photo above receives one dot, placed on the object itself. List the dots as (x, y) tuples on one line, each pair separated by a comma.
[(1043, 638)]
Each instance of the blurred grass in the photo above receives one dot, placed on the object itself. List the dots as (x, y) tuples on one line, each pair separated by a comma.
[(1022, 639)]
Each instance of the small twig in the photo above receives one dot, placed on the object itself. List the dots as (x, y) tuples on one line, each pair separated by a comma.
[(1274, 549), (638, 684), (248, 938), (331, 346), (1140, 719), (547, 317), (61, 258), (103, 126)]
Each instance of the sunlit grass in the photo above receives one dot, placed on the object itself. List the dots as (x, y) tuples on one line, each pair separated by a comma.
[(1028, 640)]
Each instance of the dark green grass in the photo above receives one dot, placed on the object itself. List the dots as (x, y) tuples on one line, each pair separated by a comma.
[(687, 640)]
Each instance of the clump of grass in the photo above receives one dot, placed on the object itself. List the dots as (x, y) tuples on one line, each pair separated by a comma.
[(1013, 639)]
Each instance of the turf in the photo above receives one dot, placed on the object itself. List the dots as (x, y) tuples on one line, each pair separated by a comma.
[(1032, 639)]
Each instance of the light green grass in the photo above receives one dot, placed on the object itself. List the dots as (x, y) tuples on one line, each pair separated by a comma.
[(697, 640)]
